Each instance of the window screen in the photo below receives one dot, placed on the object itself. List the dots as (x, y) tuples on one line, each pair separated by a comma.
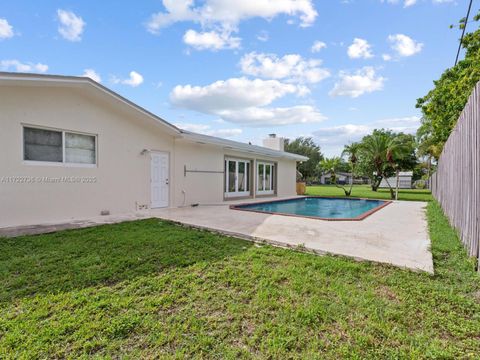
[(42, 145), (79, 149)]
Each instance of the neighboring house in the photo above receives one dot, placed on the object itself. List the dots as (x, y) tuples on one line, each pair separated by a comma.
[(342, 178), (70, 148), (405, 181)]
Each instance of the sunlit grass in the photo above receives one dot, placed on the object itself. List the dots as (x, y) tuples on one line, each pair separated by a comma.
[(150, 289), (365, 191)]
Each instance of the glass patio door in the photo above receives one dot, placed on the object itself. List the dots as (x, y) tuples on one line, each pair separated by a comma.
[(237, 178), (265, 178)]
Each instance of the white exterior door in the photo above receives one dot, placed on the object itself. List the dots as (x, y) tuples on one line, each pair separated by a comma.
[(265, 178), (160, 179), (237, 177)]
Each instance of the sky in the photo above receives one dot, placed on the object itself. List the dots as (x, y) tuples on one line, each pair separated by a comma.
[(330, 69)]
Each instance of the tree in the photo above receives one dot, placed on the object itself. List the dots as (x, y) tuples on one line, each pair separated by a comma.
[(331, 165), (306, 146), (373, 150), (402, 156), (385, 153), (442, 106), (352, 151)]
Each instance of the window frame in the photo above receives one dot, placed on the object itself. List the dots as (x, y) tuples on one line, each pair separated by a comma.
[(63, 163), (273, 185)]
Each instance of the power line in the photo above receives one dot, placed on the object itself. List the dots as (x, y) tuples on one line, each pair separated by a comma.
[(463, 32)]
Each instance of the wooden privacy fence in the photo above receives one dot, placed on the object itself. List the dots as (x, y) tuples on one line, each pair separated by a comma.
[(456, 184)]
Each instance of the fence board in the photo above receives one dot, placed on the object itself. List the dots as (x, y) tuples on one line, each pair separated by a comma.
[(456, 183)]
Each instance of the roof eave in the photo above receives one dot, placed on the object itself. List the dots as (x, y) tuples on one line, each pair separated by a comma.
[(240, 147)]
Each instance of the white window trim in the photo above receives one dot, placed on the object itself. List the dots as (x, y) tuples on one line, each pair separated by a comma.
[(63, 163), (272, 182)]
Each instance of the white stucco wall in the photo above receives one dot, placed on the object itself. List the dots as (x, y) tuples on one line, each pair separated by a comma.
[(208, 188), (122, 173)]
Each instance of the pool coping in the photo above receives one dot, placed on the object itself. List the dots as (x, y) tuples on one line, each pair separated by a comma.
[(358, 218)]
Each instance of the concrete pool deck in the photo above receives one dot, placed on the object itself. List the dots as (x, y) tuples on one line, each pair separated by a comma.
[(396, 234)]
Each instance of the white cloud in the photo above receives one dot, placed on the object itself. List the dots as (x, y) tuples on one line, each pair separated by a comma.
[(6, 30), (354, 85), (245, 101), (332, 139), (234, 93), (408, 3), (341, 134), (404, 45), (291, 67), (407, 124), (207, 130), (386, 57), (266, 116), (360, 48), (229, 13), (263, 36), (92, 74), (317, 46), (134, 80), (211, 40), (344, 134), (15, 65), (71, 26)]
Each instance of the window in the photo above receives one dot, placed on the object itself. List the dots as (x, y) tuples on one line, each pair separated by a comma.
[(42, 145), (55, 146), (79, 149), (265, 178)]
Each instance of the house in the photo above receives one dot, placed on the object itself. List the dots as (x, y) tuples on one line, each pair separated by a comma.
[(71, 148), (405, 181), (342, 178)]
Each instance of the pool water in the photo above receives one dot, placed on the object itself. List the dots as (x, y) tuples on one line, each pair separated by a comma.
[(325, 208)]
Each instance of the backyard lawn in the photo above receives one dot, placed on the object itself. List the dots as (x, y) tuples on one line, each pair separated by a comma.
[(365, 191), (151, 288)]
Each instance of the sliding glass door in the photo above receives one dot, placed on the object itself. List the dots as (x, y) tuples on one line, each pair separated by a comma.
[(237, 177), (265, 178)]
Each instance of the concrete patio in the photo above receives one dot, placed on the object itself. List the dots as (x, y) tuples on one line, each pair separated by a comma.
[(396, 234)]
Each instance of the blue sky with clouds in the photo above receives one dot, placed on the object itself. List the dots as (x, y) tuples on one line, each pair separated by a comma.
[(331, 69)]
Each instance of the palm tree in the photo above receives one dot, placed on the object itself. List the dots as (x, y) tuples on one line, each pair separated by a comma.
[(384, 151), (330, 165), (352, 151), (400, 148), (374, 148)]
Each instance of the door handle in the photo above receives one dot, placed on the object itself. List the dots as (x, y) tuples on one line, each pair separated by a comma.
[(166, 182)]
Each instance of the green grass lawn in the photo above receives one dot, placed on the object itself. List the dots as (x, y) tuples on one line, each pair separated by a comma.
[(365, 191), (150, 289)]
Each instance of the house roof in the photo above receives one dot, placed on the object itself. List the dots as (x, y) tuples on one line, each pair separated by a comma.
[(26, 79), (239, 146), (337, 173)]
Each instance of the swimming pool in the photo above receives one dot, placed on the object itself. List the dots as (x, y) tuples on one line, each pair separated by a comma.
[(318, 207)]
